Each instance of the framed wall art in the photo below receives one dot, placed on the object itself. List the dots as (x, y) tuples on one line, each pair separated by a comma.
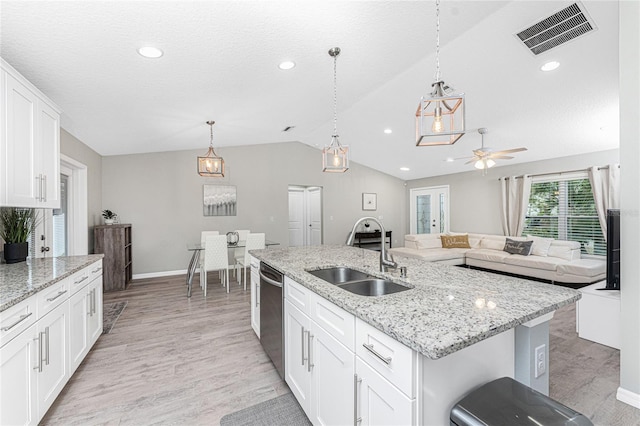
[(219, 200), (369, 201)]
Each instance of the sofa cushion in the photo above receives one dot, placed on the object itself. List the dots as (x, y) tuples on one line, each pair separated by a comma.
[(536, 262), (568, 250), (540, 245), (518, 247), (431, 255), (474, 240), (583, 267), (455, 241), (493, 242), (422, 241), (488, 255)]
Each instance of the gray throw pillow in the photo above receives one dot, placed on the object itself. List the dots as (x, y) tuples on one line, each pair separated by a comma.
[(518, 247)]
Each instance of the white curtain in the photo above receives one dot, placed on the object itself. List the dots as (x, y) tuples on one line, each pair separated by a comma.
[(514, 199), (605, 184)]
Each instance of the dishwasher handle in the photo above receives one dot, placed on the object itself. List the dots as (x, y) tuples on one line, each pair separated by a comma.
[(269, 280)]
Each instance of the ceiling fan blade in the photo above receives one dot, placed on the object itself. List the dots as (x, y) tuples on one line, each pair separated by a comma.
[(501, 157), (473, 160), (509, 151), (462, 158)]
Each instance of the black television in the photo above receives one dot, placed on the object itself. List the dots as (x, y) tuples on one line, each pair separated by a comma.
[(613, 250)]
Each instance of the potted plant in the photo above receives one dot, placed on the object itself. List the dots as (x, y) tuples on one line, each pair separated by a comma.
[(16, 225), (109, 217)]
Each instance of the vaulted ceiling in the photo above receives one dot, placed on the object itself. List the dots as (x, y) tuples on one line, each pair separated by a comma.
[(221, 61)]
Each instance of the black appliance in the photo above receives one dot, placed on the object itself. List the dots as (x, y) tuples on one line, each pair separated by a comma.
[(613, 250), (271, 315)]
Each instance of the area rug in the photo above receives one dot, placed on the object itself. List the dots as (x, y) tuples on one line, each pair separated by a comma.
[(110, 314), (283, 410)]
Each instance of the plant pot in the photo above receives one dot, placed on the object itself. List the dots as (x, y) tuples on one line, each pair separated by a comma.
[(109, 221), (16, 252)]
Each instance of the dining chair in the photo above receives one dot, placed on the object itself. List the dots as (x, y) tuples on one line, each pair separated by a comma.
[(216, 258), (253, 242), (239, 251), (203, 237)]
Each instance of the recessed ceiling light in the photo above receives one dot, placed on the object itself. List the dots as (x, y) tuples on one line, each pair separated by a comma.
[(550, 66), (150, 52), (388, 131), (286, 65), (405, 169)]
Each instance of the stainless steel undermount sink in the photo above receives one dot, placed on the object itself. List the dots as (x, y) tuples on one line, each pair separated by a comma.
[(339, 274), (358, 282), (373, 287)]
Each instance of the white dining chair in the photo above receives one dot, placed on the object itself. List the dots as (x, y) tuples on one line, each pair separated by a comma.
[(239, 251), (203, 238), (254, 242), (216, 258)]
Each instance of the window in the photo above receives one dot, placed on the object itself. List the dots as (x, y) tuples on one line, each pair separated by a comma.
[(564, 209)]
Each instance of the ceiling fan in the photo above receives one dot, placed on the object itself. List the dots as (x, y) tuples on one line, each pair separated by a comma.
[(484, 157)]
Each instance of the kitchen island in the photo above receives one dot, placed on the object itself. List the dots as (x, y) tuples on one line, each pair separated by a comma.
[(463, 327)]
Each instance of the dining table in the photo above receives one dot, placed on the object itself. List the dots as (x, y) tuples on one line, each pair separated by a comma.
[(196, 248)]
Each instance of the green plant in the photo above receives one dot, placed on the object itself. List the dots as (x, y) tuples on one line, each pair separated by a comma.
[(108, 214), (16, 224)]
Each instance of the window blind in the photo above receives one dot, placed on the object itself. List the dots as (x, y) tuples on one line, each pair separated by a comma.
[(564, 209)]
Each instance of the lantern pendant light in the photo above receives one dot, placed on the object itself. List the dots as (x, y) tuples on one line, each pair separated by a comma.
[(440, 115), (211, 165), (335, 156)]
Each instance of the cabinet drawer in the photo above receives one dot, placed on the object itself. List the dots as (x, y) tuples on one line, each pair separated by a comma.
[(297, 295), (95, 270), (393, 360), (53, 296), (16, 319), (334, 320)]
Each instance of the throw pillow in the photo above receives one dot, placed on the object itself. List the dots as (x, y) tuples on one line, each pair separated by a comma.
[(518, 247), (540, 245), (455, 241)]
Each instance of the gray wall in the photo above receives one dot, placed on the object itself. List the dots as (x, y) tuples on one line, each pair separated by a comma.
[(161, 195), (74, 148), (630, 198), (475, 199)]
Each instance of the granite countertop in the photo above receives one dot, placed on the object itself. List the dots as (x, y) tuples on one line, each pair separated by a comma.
[(21, 280), (448, 308)]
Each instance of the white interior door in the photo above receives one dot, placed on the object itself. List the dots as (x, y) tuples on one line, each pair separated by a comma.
[(305, 216), (429, 210)]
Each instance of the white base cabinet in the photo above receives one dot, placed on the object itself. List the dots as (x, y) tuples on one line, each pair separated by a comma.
[(37, 362)]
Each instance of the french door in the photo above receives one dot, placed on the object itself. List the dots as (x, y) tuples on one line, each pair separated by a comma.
[(429, 210)]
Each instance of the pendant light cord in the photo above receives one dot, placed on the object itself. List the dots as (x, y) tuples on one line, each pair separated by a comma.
[(211, 140), (437, 40), (335, 96)]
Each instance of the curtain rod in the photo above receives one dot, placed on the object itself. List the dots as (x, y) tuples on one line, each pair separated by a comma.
[(558, 173)]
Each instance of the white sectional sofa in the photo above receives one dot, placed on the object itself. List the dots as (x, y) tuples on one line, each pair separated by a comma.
[(551, 260)]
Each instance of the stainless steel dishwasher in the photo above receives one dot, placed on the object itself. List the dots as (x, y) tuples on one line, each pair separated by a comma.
[(271, 315)]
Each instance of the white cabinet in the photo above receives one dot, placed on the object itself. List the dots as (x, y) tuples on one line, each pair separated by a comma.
[(255, 295), (18, 379), (297, 370), (51, 358), (42, 341), (29, 144)]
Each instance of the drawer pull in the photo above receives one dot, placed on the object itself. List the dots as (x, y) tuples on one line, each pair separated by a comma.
[(22, 318), (81, 279), (98, 269), (51, 299), (386, 360)]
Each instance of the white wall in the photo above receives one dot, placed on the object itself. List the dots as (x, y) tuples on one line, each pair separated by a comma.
[(630, 202), (161, 195), (475, 199)]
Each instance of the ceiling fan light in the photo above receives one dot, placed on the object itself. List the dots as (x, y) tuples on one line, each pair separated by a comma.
[(490, 163), (479, 164)]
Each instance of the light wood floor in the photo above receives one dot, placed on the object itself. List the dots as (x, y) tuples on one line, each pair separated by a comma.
[(173, 360)]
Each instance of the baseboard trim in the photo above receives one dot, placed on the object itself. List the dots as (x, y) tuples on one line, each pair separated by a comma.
[(628, 397), (159, 274)]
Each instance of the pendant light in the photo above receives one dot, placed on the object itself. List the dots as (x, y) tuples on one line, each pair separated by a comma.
[(211, 165), (440, 115), (335, 156)]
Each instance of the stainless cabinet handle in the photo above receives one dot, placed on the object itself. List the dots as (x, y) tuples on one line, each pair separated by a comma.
[(93, 301), (46, 333), (60, 293), (309, 348), (98, 269), (38, 188), (19, 320), (39, 339), (356, 399), (386, 360), (89, 304), (44, 187), (81, 279)]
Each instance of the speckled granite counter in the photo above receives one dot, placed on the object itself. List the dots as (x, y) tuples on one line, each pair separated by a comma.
[(20, 280), (447, 309)]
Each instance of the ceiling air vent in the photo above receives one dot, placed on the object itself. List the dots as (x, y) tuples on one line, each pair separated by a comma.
[(568, 24)]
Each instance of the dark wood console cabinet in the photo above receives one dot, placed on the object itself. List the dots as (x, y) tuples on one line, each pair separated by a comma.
[(114, 241), (371, 240)]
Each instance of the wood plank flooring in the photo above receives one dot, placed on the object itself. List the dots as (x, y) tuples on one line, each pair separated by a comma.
[(173, 360)]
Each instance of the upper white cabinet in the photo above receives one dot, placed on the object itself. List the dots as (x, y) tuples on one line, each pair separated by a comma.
[(29, 144)]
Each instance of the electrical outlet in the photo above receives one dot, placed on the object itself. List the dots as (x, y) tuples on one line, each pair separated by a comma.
[(540, 361)]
